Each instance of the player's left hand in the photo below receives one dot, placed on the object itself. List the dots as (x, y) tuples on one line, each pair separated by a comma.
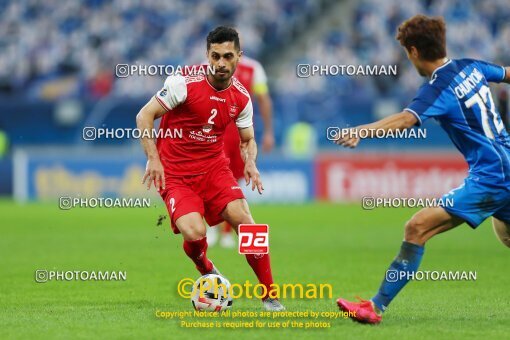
[(348, 138), (267, 142), (252, 175)]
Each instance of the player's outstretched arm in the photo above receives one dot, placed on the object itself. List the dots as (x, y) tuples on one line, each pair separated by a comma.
[(145, 121), (398, 121), (249, 154)]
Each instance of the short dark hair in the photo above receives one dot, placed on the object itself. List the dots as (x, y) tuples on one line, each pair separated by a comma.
[(426, 34), (222, 34)]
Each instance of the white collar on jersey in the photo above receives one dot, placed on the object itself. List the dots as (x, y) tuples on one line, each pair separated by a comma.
[(215, 89)]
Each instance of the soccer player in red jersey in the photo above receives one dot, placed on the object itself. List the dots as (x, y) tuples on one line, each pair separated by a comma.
[(189, 167), (252, 76)]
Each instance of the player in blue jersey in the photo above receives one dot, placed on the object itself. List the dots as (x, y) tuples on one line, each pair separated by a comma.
[(457, 95)]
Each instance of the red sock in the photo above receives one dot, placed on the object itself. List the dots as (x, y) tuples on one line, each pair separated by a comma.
[(227, 228), (196, 250), (261, 265)]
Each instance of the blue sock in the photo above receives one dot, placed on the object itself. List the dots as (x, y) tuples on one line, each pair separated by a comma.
[(408, 260)]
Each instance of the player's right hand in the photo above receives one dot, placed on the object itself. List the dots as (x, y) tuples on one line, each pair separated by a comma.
[(348, 140), (155, 173)]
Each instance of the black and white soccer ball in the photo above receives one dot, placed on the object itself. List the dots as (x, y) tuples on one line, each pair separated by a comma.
[(211, 293)]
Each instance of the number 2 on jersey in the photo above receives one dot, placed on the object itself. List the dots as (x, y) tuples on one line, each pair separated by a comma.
[(481, 98), (214, 112)]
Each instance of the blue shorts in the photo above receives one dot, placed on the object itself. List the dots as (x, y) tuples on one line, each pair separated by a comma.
[(474, 201)]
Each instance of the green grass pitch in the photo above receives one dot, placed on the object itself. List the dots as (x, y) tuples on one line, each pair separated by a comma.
[(320, 243)]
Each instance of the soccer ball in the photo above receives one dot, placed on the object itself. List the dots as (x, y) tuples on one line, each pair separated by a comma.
[(211, 293)]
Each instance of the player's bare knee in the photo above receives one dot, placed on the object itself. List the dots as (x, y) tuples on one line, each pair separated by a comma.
[(415, 230), (191, 233), (191, 227)]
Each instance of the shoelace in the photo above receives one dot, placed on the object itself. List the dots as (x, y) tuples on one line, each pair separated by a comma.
[(362, 300), (365, 303)]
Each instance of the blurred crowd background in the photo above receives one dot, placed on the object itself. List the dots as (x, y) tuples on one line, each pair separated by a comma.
[(44, 42), (57, 61), (53, 50)]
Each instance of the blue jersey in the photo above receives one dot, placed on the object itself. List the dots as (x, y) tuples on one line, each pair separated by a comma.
[(459, 98)]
